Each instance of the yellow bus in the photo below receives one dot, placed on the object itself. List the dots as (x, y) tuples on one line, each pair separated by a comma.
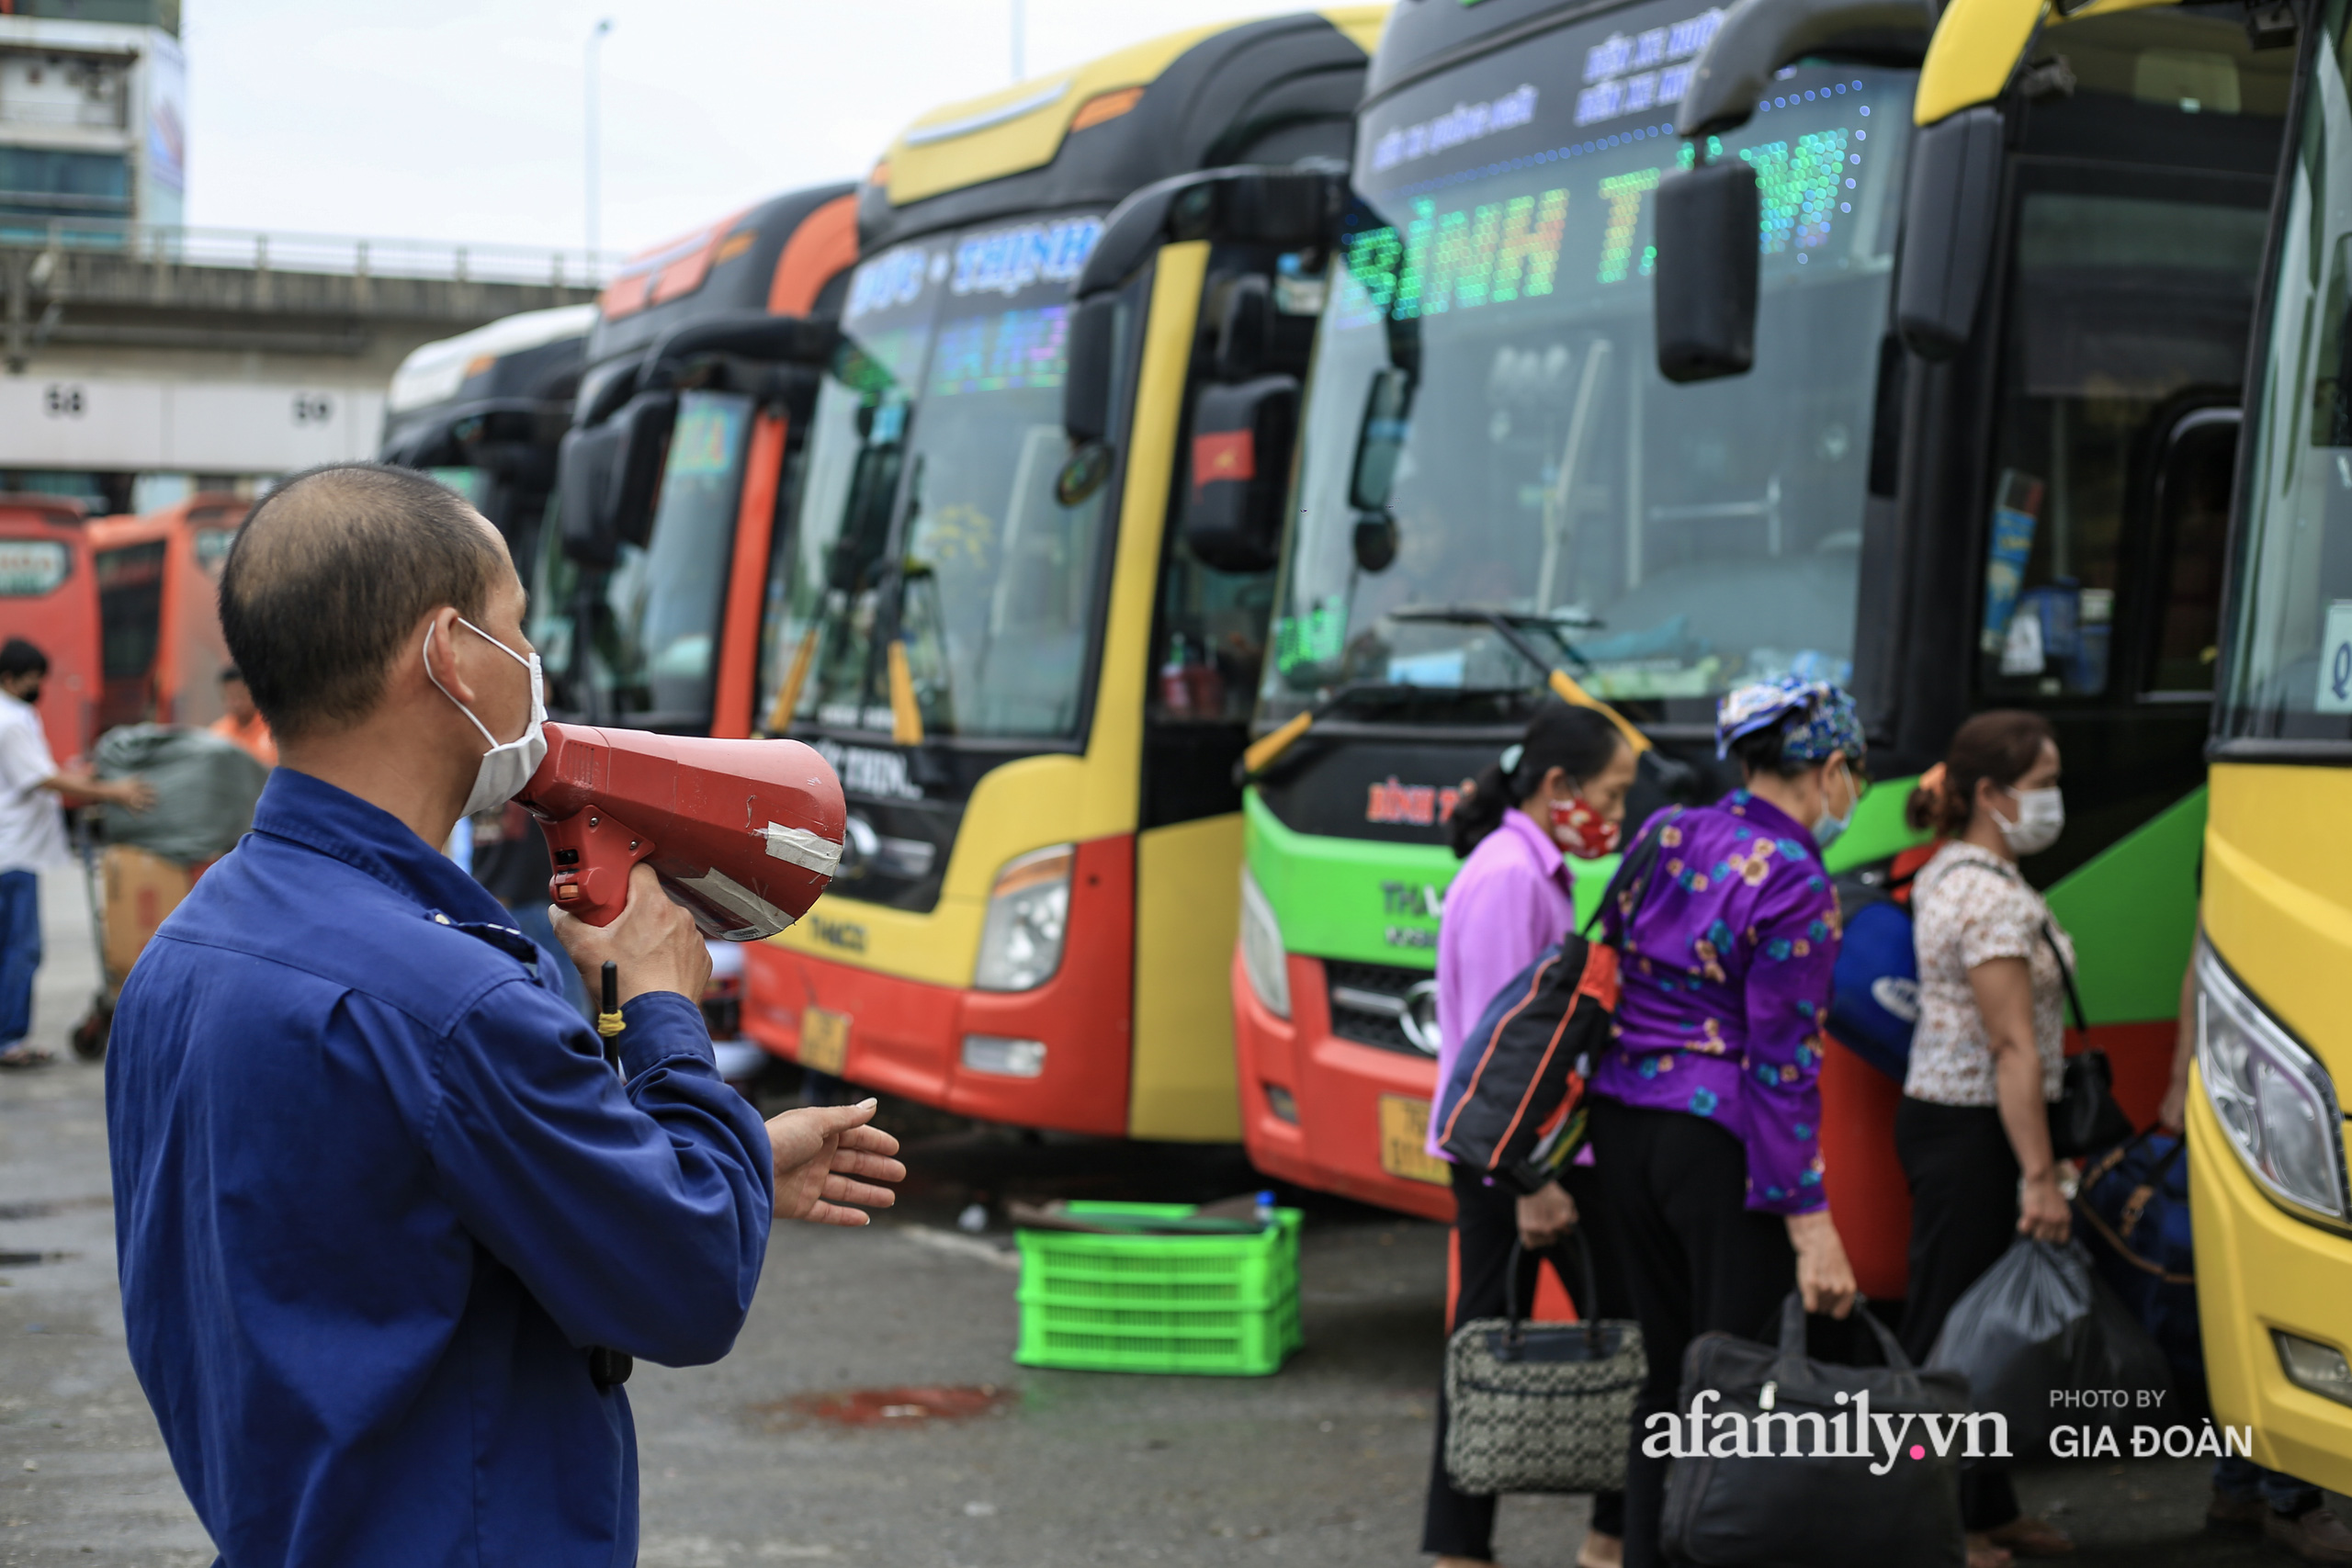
[(1022, 606), (2271, 1206)]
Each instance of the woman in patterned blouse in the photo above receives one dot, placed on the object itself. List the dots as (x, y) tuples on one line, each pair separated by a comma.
[(1706, 1108), (1987, 1056)]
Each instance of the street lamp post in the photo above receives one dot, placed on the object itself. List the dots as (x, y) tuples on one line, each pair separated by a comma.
[(595, 57)]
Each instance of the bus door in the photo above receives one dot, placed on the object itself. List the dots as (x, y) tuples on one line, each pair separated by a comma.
[(2131, 236)]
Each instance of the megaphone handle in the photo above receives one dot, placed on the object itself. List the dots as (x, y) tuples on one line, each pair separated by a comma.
[(592, 852)]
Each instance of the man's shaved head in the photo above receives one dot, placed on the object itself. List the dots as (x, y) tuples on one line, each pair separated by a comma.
[(328, 576)]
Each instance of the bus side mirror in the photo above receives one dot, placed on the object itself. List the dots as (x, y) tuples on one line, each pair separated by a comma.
[(609, 476), (1086, 384), (1707, 227), (1086, 398), (1380, 444), (1380, 440), (1948, 218), (1241, 473)]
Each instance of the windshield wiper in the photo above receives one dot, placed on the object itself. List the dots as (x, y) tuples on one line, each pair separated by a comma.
[(1509, 625), (1506, 625), (1264, 751)]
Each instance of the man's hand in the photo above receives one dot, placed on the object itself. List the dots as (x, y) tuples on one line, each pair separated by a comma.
[(822, 1151), (1545, 1216), (133, 793), (1824, 1277), (653, 941)]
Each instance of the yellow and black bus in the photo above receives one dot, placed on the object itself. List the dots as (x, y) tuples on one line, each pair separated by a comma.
[(2269, 1191), (1082, 302)]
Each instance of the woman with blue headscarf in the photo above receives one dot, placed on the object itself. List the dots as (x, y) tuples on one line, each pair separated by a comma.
[(1706, 1118)]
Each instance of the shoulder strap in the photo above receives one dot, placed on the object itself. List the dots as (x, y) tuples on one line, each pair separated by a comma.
[(2065, 970), (1633, 871), (2066, 976)]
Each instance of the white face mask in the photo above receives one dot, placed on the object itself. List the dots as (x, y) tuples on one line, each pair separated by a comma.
[(508, 766), (1826, 828), (2042, 817)]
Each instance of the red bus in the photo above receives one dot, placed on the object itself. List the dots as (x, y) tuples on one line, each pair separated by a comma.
[(158, 609), (49, 597)]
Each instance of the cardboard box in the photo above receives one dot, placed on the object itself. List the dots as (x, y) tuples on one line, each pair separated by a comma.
[(139, 887)]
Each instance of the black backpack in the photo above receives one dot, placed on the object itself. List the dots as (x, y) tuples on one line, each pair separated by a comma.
[(1513, 1107)]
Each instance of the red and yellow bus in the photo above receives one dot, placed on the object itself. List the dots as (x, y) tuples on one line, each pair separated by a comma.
[(1080, 318)]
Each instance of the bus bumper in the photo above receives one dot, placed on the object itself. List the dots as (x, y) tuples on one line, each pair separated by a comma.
[(916, 1040), (2260, 1268), (1333, 1138)]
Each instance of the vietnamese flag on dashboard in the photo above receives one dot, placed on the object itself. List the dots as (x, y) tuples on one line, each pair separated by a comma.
[(1224, 454)]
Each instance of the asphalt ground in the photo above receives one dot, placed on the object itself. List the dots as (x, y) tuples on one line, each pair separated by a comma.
[(871, 1412)]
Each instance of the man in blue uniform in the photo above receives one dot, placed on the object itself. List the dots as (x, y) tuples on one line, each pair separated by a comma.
[(389, 1225)]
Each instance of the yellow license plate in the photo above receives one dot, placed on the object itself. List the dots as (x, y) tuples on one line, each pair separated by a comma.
[(1404, 1140), (824, 1040)]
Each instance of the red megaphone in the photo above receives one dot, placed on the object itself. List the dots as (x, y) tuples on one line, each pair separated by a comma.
[(744, 833)]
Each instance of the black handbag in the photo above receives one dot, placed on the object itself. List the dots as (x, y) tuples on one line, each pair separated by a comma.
[(2085, 1118), (1788, 1482), (1540, 1406)]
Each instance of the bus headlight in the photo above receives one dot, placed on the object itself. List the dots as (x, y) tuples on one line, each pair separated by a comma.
[(1021, 941), (2271, 1095), (1263, 958)]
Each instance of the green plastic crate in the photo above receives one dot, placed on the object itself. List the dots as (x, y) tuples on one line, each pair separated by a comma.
[(1221, 1305)]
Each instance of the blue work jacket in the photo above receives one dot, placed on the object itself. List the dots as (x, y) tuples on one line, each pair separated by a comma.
[(377, 1193)]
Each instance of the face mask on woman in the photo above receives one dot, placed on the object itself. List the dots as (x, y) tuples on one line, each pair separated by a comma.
[(1827, 825), (2042, 817), (1581, 833)]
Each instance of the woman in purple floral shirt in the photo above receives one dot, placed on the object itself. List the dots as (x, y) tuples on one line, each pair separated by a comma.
[(1706, 1119)]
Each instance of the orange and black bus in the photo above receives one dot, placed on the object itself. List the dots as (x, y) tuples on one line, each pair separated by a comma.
[(686, 436)]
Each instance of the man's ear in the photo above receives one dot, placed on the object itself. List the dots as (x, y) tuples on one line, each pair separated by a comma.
[(439, 636)]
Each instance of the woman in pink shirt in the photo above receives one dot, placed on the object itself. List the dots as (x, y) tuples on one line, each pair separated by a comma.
[(1559, 794)]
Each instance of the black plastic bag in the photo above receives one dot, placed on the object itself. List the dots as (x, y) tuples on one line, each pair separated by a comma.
[(205, 786), (2044, 1343)]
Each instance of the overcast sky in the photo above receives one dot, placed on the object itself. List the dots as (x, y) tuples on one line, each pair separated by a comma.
[(463, 120)]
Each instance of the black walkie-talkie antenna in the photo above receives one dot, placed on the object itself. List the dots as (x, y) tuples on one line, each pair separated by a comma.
[(608, 1367), (609, 1023)]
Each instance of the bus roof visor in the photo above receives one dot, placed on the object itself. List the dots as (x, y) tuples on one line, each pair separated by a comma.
[(1759, 36), (745, 334)]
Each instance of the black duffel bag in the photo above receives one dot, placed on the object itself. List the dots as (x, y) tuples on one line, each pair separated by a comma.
[(1784, 1491), (1513, 1106)]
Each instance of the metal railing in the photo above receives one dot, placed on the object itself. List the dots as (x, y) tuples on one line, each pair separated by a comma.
[(335, 255)]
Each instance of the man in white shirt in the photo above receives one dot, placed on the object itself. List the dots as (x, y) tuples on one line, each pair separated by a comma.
[(32, 835)]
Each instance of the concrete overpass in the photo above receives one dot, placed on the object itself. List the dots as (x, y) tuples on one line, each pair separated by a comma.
[(128, 350)]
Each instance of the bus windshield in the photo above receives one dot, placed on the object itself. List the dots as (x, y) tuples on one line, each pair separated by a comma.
[(2289, 674), (930, 515), (1494, 314)]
